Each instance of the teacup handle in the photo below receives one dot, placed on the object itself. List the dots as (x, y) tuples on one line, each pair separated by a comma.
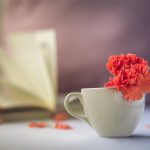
[(74, 106)]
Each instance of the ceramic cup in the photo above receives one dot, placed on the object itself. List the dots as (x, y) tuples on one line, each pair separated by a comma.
[(105, 110)]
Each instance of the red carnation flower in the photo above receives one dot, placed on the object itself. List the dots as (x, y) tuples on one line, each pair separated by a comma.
[(118, 62), (131, 75)]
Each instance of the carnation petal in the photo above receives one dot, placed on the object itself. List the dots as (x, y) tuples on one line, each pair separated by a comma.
[(133, 93), (145, 85)]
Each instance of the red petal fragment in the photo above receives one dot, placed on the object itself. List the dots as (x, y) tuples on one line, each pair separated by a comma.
[(61, 116), (32, 125), (38, 125), (62, 126), (42, 125)]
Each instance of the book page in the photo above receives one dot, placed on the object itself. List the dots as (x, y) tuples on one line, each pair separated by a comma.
[(47, 44), (11, 72), (25, 67), (12, 97)]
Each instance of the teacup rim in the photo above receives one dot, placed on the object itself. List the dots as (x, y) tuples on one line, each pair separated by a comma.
[(98, 88)]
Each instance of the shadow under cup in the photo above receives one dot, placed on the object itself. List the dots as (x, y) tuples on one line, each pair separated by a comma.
[(105, 110)]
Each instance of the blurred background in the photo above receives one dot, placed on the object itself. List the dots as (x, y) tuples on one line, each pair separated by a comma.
[(88, 31)]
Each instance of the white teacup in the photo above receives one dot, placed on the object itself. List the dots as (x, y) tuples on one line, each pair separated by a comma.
[(105, 110)]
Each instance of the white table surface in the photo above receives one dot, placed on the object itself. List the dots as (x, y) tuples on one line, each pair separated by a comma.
[(18, 136)]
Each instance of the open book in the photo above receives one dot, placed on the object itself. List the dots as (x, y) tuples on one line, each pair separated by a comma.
[(29, 71)]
